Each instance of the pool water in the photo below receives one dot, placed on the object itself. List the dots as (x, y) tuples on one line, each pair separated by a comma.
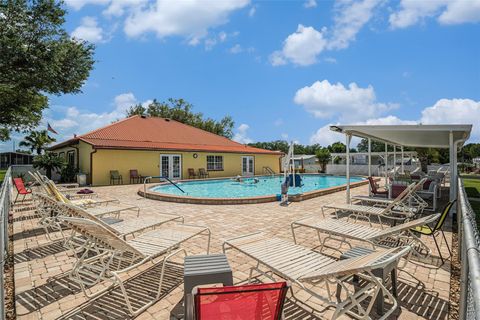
[(266, 186)]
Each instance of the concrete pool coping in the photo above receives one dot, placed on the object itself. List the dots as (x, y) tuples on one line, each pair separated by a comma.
[(250, 200)]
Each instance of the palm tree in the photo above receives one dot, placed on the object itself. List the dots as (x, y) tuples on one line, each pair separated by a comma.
[(323, 156), (48, 162), (37, 141)]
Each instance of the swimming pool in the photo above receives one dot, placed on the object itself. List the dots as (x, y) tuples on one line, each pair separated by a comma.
[(249, 188)]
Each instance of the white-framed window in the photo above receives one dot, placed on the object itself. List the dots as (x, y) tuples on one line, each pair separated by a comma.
[(71, 158), (215, 163)]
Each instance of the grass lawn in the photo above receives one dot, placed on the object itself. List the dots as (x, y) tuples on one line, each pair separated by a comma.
[(472, 188), (2, 174)]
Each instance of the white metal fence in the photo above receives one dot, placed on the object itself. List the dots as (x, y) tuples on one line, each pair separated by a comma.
[(469, 256), (5, 206)]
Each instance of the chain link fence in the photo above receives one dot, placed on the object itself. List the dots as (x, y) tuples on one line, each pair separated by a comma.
[(469, 256), (5, 206)]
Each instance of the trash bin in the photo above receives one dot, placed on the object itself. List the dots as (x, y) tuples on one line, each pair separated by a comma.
[(81, 179)]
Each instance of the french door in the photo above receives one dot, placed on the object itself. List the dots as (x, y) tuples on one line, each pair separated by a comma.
[(248, 166), (171, 166)]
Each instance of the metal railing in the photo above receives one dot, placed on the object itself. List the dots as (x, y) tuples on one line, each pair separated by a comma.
[(469, 256), (5, 206), (145, 181), (268, 170)]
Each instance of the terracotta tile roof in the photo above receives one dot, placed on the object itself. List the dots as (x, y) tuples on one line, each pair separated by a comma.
[(152, 133)]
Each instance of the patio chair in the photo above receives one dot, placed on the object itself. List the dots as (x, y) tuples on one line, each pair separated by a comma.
[(70, 193), (375, 189), (396, 210), (430, 194), (340, 230), (120, 227), (192, 174), (115, 176), (429, 231), (411, 199), (21, 189), (96, 208), (308, 269), (116, 257), (52, 190), (135, 176), (203, 173), (252, 301)]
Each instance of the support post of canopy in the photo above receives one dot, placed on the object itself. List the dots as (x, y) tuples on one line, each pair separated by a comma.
[(369, 163), (386, 163), (348, 139), (452, 166), (403, 169), (394, 160)]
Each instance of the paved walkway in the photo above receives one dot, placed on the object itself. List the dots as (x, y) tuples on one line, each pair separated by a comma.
[(44, 291)]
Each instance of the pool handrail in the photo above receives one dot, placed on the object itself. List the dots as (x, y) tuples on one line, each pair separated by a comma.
[(158, 177)]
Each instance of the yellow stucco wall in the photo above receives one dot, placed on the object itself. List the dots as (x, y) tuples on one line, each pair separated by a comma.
[(148, 163), (63, 153), (84, 150)]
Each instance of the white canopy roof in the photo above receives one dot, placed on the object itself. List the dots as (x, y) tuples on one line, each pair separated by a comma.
[(430, 136)]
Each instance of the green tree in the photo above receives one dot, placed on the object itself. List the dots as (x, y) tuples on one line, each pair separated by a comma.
[(37, 57), (337, 147), (181, 110), (428, 156), (277, 145), (377, 146), (37, 141), (48, 162), (324, 157)]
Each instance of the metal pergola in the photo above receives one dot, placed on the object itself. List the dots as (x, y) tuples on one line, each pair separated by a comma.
[(451, 136)]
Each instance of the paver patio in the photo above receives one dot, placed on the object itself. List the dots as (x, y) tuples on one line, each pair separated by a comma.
[(44, 291)]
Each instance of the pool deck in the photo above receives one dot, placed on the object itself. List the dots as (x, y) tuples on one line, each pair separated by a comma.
[(44, 291)]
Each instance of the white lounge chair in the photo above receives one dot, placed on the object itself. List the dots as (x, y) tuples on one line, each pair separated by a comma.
[(303, 267), (411, 199), (343, 231), (395, 210), (116, 256), (60, 194), (51, 211)]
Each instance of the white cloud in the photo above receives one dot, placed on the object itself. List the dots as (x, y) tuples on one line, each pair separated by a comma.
[(117, 8), (252, 11), (310, 4), (444, 111), (461, 11), (330, 60), (241, 134), (89, 31), (124, 101), (68, 121), (352, 103), (284, 136), (301, 47), (454, 111), (79, 4), (189, 18), (212, 41), (412, 12), (236, 49), (350, 17)]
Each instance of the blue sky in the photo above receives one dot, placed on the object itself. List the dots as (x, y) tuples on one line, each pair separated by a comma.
[(281, 69)]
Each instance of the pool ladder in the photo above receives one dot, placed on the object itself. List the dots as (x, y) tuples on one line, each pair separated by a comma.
[(268, 170), (158, 177)]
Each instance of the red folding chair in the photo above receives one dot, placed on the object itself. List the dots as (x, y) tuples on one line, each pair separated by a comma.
[(21, 189), (248, 302)]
